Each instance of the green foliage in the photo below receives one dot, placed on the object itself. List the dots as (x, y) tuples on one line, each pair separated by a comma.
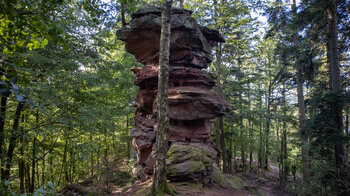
[(62, 59), (76, 81)]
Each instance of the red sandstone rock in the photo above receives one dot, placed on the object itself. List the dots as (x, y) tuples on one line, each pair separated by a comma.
[(191, 103), (189, 131), (142, 37), (147, 77)]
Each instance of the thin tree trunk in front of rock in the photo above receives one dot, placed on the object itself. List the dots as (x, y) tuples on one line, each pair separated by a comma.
[(160, 185)]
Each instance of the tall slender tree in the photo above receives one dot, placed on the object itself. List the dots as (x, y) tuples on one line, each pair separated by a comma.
[(160, 185), (335, 84), (300, 94)]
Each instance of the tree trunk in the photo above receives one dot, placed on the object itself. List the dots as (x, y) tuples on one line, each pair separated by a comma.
[(64, 158), (250, 144), (217, 141), (32, 187), (71, 163), (43, 172), (31, 190), (268, 122), (12, 142), (21, 162), (335, 84), (27, 176), (243, 157), (51, 168), (229, 151), (181, 4), (128, 143), (235, 158), (220, 120), (241, 119), (21, 171), (301, 103), (160, 184), (347, 132), (222, 143), (91, 155), (37, 173), (284, 155), (2, 128), (261, 150), (122, 12)]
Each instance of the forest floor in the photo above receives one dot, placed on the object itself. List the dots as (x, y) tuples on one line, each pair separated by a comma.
[(240, 184)]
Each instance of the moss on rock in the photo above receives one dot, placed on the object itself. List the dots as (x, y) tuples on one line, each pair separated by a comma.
[(186, 162), (236, 182)]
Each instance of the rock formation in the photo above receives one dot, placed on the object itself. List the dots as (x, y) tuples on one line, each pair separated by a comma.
[(191, 154)]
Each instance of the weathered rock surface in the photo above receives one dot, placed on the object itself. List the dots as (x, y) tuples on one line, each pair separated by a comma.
[(188, 162), (190, 44), (191, 154)]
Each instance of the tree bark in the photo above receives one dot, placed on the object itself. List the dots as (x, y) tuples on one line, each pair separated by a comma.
[(32, 184), (91, 155), (335, 86), (122, 12), (21, 162), (27, 176), (51, 168), (2, 128), (220, 129), (160, 185), (217, 141), (268, 122), (243, 146), (12, 142), (64, 158), (347, 132), (301, 103), (34, 161), (21, 170), (181, 4), (43, 171), (241, 119), (261, 150), (250, 135), (284, 152), (220, 120)]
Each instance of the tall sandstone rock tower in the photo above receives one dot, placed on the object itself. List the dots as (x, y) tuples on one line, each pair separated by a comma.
[(191, 154)]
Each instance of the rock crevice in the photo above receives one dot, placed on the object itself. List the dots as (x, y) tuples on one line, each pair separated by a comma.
[(191, 154)]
